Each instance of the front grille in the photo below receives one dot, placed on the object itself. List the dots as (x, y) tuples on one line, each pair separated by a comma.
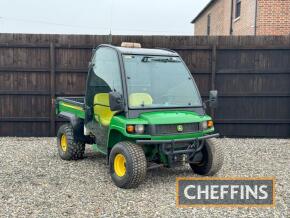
[(167, 129)]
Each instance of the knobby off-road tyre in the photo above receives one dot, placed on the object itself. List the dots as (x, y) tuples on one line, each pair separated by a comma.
[(212, 160), (68, 147), (127, 164)]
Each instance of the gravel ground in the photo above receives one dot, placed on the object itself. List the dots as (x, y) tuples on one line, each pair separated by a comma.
[(35, 182)]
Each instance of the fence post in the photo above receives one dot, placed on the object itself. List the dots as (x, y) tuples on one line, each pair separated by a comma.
[(213, 71), (52, 89), (213, 66)]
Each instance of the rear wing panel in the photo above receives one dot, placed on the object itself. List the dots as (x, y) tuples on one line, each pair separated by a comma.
[(74, 106)]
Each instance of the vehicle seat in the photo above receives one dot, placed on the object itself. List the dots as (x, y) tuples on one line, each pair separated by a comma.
[(102, 111), (137, 99)]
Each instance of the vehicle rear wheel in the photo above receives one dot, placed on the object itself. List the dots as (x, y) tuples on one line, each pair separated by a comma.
[(128, 164), (68, 147), (212, 160)]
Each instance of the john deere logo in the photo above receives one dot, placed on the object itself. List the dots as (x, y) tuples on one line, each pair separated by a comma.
[(179, 128)]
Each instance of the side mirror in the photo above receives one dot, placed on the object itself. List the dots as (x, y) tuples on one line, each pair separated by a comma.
[(116, 101), (213, 98)]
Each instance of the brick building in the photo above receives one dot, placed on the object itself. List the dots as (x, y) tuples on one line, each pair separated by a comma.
[(244, 17)]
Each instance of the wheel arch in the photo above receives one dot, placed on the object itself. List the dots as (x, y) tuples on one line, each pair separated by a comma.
[(77, 125), (115, 136)]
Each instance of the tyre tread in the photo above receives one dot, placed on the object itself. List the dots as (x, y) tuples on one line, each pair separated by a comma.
[(215, 161), (139, 163), (76, 149)]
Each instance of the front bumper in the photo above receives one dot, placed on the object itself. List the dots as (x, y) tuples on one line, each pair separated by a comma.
[(150, 142), (169, 148), (174, 141)]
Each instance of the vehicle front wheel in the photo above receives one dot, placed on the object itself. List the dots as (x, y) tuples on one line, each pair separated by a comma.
[(68, 147), (128, 164), (212, 160)]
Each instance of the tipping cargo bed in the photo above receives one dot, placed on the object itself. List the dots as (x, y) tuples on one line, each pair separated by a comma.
[(72, 105)]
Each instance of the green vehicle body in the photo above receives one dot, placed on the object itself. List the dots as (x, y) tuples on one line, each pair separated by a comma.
[(116, 132)]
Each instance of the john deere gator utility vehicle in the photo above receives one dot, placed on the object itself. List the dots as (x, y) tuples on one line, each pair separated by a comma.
[(141, 109)]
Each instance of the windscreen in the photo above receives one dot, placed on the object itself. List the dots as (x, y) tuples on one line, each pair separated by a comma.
[(159, 82)]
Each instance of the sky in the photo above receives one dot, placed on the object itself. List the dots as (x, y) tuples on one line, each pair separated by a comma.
[(98, 17)]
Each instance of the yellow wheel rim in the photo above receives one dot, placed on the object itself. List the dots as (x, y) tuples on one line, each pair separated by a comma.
[(120, 165), (63, 142)]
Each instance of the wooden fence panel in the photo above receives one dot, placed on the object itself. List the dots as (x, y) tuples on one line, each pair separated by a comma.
[(252, 75)]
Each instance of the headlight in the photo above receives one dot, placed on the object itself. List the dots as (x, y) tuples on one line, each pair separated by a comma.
[(139, 128), (203, 125)]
